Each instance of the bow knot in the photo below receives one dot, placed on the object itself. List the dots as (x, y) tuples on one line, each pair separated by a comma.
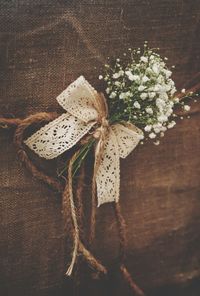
[(102, 130), (87, 109)]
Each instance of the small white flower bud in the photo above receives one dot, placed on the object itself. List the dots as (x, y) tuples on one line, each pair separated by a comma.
[(171, 124), (144, 59), (152, 135), (157, 142), (141, 87), (162, 134), (113, 95), (148, 128), (136, 105), (143, 96), (155, 69), (152, 95), (116, 75), (149, 110), (176, 100), (145, 79), (136, 77), (186, 108)]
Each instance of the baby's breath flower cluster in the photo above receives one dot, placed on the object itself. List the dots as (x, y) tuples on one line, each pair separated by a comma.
[(140, 90)]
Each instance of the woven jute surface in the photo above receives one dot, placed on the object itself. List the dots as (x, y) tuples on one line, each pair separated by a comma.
[(45, 45)]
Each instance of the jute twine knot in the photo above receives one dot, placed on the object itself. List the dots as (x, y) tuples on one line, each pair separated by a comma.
[(102, 130)]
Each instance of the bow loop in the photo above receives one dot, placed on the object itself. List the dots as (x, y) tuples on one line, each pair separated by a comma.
[(80, 100)]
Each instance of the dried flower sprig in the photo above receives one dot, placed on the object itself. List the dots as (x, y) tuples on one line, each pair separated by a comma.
[(140, 90)]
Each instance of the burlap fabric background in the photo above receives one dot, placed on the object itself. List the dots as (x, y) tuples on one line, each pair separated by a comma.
[(44, 45)]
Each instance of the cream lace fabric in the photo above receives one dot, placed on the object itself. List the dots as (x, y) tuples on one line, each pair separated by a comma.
[(85, 108)]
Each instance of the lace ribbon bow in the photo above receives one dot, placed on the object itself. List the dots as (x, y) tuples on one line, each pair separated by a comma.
[(86, 109)]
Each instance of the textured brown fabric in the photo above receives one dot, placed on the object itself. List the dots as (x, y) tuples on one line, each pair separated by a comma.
[(46, 44)]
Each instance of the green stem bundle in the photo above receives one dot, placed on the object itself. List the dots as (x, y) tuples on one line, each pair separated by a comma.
[(82, 155)]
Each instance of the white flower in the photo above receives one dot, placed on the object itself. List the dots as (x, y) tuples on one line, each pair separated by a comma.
[(100, 77), (116, 75), (163, 128), (157, 87), (160, 79), (157, 142), (113, 95), (152, 135), (148, 128), (162, 134), (151, 95), (107, 90), (176, 100), (162, 118), (117, 83), (171, 124), (183, 90), (145, 79), (157, 125), (157, 130), (155, 68), (168, 73), (171, 82), (130, 75), (149, 110), (164, 96), (122, 96), (167, 87), (144, 59), (143, 96), (141, 87), (173, 91), (186, 108), (168, 112), (136, 105), (160, 103), (136, 77), (128, 94)]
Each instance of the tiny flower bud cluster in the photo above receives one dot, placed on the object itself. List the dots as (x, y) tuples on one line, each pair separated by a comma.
[(141, 91)]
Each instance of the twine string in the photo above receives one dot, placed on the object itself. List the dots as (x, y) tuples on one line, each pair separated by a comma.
[(21, 126), (69, 187)]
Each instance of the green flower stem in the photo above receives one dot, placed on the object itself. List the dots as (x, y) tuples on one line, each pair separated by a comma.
[(82, 155)]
